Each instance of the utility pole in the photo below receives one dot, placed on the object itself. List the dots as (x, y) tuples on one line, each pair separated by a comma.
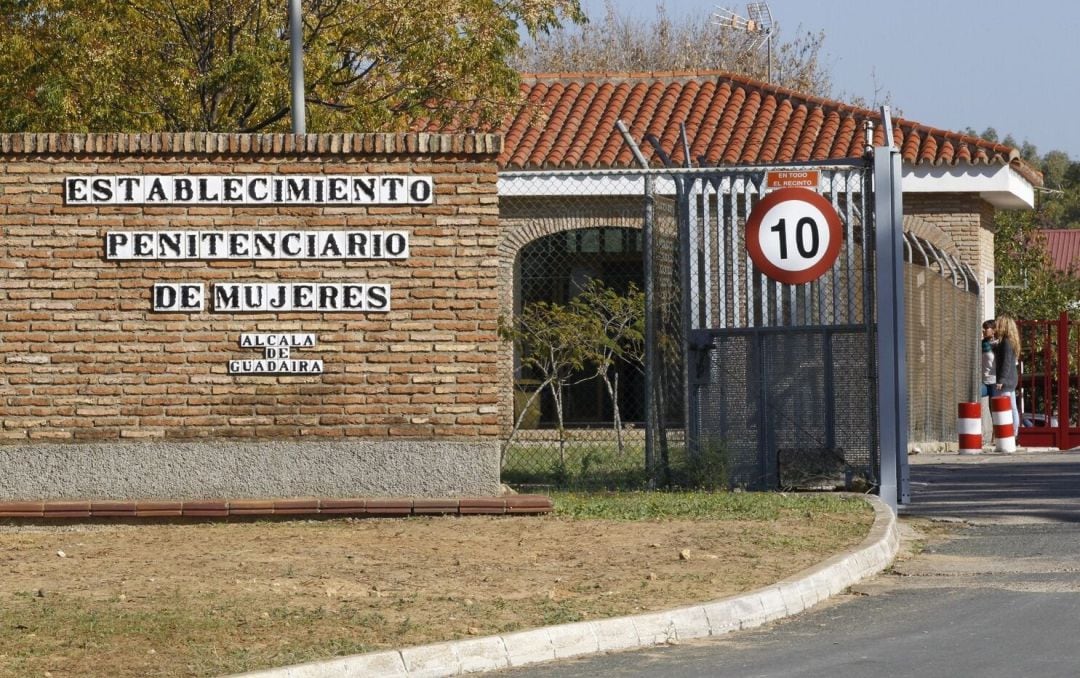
[(296, 66)]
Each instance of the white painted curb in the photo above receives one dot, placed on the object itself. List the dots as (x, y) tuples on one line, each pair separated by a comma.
[(782, 599)]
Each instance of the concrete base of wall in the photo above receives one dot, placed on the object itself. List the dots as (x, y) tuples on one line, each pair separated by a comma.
[(265, 469), (933, 447)]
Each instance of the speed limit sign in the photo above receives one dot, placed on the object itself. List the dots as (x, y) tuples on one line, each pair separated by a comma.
[(793, 235)]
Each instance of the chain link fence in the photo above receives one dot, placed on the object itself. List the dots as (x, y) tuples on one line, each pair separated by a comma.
[(573, 258), (942, 307)]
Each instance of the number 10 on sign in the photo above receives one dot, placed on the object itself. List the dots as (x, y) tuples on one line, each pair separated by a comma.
[(793, 235)]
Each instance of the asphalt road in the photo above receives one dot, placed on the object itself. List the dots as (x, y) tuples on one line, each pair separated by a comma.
[(1001, 598)]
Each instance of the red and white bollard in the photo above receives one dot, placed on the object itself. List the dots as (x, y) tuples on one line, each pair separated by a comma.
[(969, 427), (1004, 426)]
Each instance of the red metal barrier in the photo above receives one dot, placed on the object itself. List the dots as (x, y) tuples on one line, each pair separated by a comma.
[(1004, 429), (1049, 383), (969, 427)]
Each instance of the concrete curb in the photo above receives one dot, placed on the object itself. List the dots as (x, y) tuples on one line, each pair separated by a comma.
[(782, 599)]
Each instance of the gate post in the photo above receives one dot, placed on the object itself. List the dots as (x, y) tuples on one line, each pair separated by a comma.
[(651, 419), (891, 343), (1062, 433)]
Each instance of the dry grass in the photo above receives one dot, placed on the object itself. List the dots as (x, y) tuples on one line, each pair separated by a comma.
[(215, 598)]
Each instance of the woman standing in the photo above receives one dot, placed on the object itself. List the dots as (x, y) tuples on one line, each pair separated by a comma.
[(989, 373), (1006, 354)]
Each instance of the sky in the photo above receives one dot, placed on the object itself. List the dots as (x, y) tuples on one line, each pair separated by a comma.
[(951, 64)]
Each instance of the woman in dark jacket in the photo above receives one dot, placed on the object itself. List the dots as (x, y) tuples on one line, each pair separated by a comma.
[(1006, 354)]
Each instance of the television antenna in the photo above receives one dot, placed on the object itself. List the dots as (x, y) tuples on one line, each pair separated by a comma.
[(758, 22)]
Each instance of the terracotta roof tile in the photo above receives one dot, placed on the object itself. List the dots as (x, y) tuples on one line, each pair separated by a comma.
[(568, 120), (773, 138), (670, 137), (805, 149), (760, 130), (946, 153), (602, 128), (715, 96), (744, 123), (544, 139), (725, 127), (846, 137), (910, 146), (790, 145), (858, 142), (665, 100), (576, 105), (829, 128), (929, 152)]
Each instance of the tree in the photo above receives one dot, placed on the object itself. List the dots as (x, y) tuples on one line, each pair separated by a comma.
[(621, 43), (1055, 168), (551, 341), (1059, 204), (989, 134), (223, 65), (618, 324), (1028, 286)]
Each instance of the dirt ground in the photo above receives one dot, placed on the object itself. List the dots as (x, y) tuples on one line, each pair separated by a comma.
[(211, 599)]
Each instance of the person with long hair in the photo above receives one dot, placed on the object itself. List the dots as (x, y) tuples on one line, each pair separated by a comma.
[(989, 373), (1006, 355)]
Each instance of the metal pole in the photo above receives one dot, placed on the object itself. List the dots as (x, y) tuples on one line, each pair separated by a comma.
[(1064, 408), (652, 420), (296, 66), (686, 310), (634, 148), (769, 46), (891, 342)]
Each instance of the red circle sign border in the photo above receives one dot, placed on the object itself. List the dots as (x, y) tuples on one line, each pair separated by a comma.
[(753, 245)]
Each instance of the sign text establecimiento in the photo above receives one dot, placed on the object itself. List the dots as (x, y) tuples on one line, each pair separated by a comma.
[(249, 190)]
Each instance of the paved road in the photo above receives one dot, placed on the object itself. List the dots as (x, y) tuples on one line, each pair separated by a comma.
[(1000, 599)]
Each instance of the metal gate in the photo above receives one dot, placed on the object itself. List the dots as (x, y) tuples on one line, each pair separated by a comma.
[(1049, 387), (781, 379)]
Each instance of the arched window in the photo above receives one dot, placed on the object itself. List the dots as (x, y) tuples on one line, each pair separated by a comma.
[(555, 268)]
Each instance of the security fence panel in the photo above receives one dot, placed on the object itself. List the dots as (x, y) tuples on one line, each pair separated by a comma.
[(942, 304), (585, 410), (665, 358), (646, 349), (781, 376)]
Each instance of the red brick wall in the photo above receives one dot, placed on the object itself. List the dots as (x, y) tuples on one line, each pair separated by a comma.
[(83, 356)]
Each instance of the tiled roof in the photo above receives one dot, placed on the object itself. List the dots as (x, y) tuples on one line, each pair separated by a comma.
[(568, 122), (1063, 244)]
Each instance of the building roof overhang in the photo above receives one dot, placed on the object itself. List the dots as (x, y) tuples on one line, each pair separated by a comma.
[(1000, 185)]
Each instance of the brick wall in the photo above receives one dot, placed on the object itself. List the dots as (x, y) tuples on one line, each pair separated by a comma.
[(969, 221), (83, 356)]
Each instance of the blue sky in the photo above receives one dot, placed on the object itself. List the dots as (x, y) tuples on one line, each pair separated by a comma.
[(1013, 66)]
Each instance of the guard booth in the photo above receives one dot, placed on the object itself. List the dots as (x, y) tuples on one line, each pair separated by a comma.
[(784, 326)]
